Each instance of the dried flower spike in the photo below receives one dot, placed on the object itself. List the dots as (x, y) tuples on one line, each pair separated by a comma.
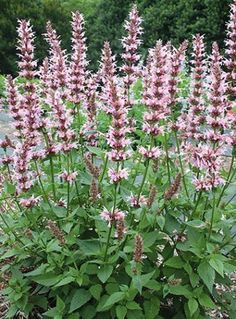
[(94, 193), (138, 252), (54, 229), (173, 188), (120, 230), (152, 195), (94, 170)]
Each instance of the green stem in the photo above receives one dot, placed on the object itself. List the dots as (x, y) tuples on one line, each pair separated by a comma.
[(68, 198), (104, 170), (52, 177), (111, 226), (230, 200), (143, 180), (167, 159), (196, 205), (108, 241), (42, 187), (136, 170), (229, 179), (68, 186), (181, 165), (10, 230), (51, 167), (141, 188), (212, 215)]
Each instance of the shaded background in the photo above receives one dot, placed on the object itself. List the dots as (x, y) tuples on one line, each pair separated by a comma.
[(173, 20)]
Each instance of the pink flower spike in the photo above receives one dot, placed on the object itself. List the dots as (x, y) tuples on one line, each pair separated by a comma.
[(117, 176), (29, 202), (153, 153), (68, 177), (137, 202), (112, 216), (130, 45), (77, 67)]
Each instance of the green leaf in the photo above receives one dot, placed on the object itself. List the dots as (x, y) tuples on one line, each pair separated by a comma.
[(121, 312), (112, 287), (132, 305), (206, 301), (9, 188), (60, 305), (153, 284), (38, 271), (49, 279), (88, 312), (149, 239), (179, 290), (102, 302), (52, 313), (192, 306), (104, 273), (207, 274), (151, 308), (135, 314), (95, 150), (217, 264), (141, 280), (89, 247), (160, 221), (113, 299), (96, 291), (175, 262), (65, 281), (80, 297), (196, 223)]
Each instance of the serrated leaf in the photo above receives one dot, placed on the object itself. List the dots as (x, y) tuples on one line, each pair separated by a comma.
[(179, 290), (113, 299), (141, 280), (38, 271), (206, 301), (65, 281), (132, 305), (149, 239), (192, 306), (121, 312), (89, 247), (80, 297), (95, 150), (151, 308), (49, 279), (153, 284), (60, 305), (217, 264), (96, 291), (207, 274), (88, 312), (104, 273), (175, 262), (196, 223), (160, 221)]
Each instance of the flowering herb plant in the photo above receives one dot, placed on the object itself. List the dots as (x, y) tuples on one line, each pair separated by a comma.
[(116, 192)]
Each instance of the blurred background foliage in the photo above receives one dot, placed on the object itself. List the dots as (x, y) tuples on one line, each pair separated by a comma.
[(173, 20)]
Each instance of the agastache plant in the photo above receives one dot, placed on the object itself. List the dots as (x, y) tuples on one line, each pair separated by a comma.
[(117, 187)]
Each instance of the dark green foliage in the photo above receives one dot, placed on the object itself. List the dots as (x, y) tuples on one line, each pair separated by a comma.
[(173, 20), (38, 12), (178, 20)]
